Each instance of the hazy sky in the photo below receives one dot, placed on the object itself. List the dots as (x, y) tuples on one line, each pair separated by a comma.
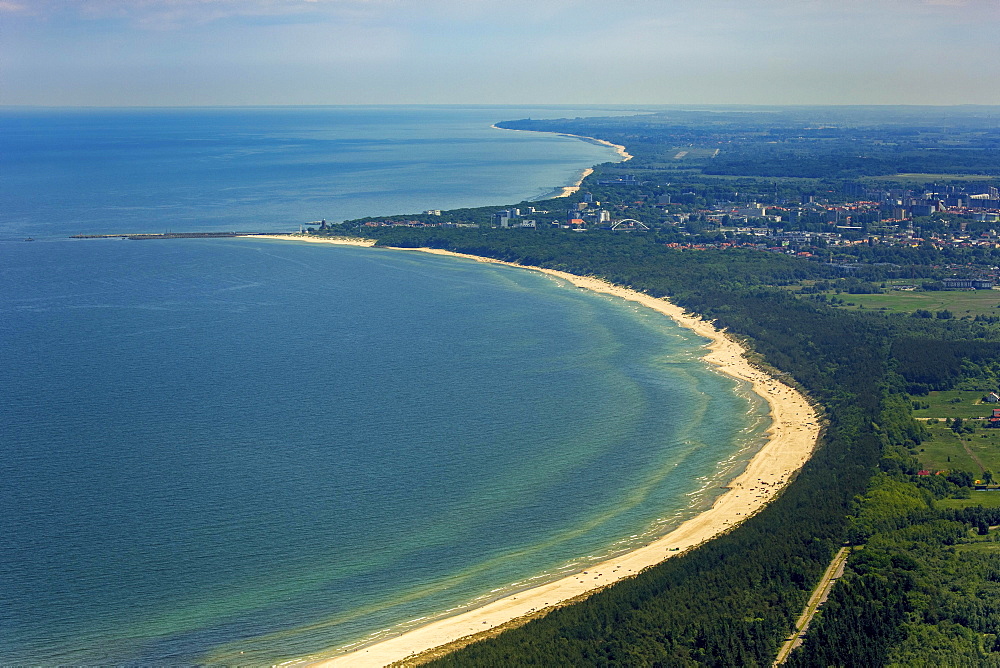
[(204, 52)]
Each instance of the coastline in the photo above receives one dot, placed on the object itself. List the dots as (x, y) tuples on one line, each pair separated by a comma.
[(791, 439), (569, 190)]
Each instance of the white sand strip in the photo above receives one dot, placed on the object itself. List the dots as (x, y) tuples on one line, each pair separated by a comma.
[(569, 190), (618, 147)]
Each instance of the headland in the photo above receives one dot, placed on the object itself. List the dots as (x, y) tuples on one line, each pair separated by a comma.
[(793, 434), (566, 191)]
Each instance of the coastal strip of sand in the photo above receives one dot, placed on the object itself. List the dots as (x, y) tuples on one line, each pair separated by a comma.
[(618, 147), (569, 190), (791, 439), (626, 156)]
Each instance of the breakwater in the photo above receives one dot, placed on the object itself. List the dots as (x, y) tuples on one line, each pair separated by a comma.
[(176, 235)]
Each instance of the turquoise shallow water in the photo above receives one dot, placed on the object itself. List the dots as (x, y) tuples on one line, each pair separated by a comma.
[(222, 446)]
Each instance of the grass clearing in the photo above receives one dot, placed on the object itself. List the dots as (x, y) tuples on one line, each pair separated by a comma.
[(984, 544), (984, 499), (955, 403), (961, 303), (946, 450), (943, 451), (696, 152)]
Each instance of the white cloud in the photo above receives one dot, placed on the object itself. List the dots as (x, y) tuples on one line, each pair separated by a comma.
[(315, 51), (180, 13), (13, 7)]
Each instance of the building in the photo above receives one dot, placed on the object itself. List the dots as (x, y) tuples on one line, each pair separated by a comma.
[(627, 180), (505, 217), (753, 210), (968, 283), (796, 237)]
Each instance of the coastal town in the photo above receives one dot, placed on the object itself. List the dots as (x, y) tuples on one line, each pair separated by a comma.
[(823, 226), (941, 217)]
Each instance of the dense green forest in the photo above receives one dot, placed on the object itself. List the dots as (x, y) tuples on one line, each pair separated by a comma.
[(922, 585), (805, 143)]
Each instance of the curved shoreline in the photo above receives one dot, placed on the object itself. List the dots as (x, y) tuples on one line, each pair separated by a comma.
[(791, 439), (569, 190)]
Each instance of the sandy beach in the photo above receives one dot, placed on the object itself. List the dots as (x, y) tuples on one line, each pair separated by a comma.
[(618, 147), (626, 156), (791, 439), (569, 190)]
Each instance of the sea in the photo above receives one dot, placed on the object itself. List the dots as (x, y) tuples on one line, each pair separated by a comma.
[(246, 451)]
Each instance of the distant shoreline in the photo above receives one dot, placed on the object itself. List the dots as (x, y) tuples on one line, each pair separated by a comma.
[(569, 190), (791, 439)]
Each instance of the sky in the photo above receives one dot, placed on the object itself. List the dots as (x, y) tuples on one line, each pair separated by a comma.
[(294, 52)]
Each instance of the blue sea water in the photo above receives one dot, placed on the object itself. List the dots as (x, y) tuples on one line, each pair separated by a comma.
[(248, 451), (260, 169)]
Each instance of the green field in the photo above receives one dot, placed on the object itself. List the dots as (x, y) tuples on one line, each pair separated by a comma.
[(695, 152), (974, 452), (946, 450), (955, 403), (985, 499), (961, 303)]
